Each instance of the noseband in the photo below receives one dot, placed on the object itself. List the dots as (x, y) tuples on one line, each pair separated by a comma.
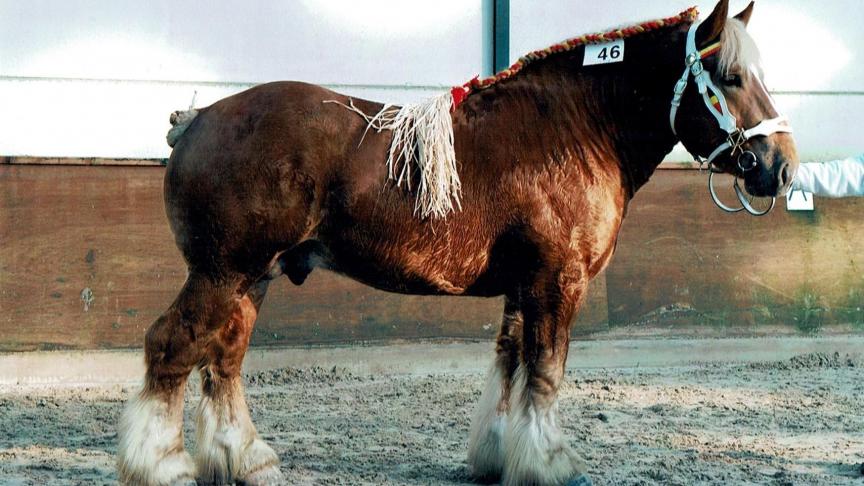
[(716, 104)]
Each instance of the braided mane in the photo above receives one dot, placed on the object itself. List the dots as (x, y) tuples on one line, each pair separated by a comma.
[(461, 92)]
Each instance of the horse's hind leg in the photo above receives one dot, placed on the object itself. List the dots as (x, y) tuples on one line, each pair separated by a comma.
[(537, 453), (486, 442), (150, 450), (228, 445)]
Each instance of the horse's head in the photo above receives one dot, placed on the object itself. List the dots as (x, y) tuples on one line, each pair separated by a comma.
[(722, 110)]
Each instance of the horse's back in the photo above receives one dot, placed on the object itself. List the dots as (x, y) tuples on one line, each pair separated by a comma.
[(273, 118)]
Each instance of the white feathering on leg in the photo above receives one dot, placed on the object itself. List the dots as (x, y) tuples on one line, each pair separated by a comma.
[(537, 453), (150, 450), (228, 444), (486, 442)]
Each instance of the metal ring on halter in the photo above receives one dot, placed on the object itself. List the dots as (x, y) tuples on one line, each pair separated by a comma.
[(745, 204), (728, 209), (747, 161)]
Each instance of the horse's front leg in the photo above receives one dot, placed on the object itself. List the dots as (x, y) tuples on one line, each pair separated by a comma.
[(537, 453), (229, 448), (486, 442)]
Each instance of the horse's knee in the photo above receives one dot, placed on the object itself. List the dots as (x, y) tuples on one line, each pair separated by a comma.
[(175, 343), (159, 337)]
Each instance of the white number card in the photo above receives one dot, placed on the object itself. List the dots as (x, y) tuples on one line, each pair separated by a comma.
[(605, 53), (799, 201)]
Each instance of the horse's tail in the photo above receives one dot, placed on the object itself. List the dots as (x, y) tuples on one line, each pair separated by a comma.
[(180, 121)]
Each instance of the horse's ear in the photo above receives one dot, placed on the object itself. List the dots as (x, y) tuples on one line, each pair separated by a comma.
[(709, 30), (744, 16)]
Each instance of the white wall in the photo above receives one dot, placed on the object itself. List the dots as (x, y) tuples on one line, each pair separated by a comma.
[(85, 78), (99, 78)]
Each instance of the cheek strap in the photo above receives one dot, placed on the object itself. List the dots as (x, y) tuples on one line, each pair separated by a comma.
[(711, 95), (715, 101)]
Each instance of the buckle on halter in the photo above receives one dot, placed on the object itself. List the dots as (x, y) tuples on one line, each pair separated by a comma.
[(736, 140), (680, 86), (691, 58), (696, 68)]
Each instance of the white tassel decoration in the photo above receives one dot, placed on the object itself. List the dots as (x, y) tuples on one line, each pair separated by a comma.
[(422, 137)]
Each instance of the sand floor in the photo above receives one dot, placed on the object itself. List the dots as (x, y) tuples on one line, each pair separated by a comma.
[(796, 421)]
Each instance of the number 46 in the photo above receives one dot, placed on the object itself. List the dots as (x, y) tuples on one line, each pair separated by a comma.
[(613, 52)]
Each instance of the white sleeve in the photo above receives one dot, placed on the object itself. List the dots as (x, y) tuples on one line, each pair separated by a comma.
[(838, 178)]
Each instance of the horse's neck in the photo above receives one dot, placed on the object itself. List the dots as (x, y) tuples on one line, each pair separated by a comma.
[(641, 117), (645, 136), (601, 116)]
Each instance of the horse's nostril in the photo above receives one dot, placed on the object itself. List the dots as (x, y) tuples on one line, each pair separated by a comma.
[(785, 175)]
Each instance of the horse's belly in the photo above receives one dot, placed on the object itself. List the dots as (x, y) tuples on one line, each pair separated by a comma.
[(426, 270)]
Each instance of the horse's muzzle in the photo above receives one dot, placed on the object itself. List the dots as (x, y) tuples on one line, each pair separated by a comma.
[(764, 180)]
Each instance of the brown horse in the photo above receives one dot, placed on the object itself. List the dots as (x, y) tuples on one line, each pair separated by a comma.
[(274, 180)]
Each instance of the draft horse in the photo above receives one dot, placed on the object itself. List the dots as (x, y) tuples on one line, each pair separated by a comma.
[(275, 180)]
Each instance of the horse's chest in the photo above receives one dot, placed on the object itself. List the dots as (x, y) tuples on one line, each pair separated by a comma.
[(588, 230)]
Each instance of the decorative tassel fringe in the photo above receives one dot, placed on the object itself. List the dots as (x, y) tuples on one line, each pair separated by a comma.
[(422, 139)]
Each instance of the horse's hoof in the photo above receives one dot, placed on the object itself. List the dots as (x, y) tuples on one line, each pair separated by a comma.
[(581, 480), (266, 476)]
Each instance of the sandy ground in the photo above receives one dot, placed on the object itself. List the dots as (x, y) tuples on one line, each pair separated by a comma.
[(795, 421)]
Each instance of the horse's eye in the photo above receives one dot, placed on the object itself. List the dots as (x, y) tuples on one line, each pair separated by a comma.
[(731, 80)]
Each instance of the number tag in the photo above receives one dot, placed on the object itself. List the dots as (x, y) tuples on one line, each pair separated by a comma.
[(605, 53), (799, 201)]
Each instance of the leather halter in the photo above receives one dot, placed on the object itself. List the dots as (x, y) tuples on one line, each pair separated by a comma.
[(716, 104)]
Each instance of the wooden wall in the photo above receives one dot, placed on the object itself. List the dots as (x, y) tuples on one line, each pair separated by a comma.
[(681, 265)]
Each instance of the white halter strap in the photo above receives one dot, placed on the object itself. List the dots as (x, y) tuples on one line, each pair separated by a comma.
[(737, 136), (763, 129)]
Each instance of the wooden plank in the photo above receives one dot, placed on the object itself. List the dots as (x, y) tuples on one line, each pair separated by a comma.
[(679, 165), (682, 262), (330, 308), (66, 229), (101, 161)]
